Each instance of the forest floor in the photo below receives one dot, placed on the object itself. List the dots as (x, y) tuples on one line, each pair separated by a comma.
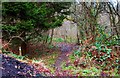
[(11, 67), (63, 57), (66, 62), (58, 60)]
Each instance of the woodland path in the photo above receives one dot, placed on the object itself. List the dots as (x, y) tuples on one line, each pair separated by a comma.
[(66, 50)]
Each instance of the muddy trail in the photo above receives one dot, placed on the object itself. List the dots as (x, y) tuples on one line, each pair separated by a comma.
[(66, 50)]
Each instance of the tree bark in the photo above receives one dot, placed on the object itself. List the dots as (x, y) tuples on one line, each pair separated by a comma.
[(78, 39), (24, 48), (24, 45), (47, 38), (51, 36)]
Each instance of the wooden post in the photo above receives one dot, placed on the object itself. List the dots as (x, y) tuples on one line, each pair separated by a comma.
[(24, 48), (20, 53)]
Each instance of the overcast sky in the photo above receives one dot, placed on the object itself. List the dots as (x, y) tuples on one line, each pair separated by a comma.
[(98, 0), (112, 1)]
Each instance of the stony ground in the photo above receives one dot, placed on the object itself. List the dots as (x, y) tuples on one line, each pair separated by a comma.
[(12, 67)]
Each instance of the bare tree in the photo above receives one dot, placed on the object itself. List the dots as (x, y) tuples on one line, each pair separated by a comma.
[(85, 16), (114, 11)]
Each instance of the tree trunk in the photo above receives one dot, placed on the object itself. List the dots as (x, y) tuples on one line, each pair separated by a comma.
[(46, 38), (78, 39), (24, 50), (51, 36)]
